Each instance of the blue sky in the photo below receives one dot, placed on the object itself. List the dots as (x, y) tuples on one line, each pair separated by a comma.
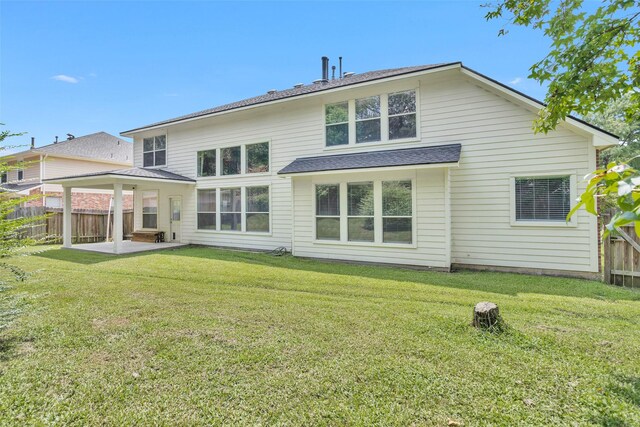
[(82, 67)]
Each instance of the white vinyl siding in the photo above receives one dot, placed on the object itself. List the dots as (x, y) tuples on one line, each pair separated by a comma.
[(497, 144)]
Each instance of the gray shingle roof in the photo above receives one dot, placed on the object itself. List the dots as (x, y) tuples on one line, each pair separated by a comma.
[(376, 159), (302, 90), (134, 173), (15, 188), (98, 146)]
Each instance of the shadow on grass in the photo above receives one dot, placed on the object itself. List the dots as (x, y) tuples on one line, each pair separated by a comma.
[(501, 283)]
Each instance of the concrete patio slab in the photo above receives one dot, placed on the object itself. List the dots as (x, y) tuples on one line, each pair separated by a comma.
[(128, 247)]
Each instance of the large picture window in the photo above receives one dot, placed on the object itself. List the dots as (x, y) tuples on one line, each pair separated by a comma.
[(337, 124), (397, 210), (378, 212), (542, 199), (257, 157), (379, 118), (257, 209), (231, 160), (360, 212), (328, 212), (207, 163), (231, 209), (207, 209), (154, 151), (149, 209)]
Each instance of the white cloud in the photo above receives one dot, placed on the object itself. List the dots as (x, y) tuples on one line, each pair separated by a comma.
[(516, 81), (65, 78)]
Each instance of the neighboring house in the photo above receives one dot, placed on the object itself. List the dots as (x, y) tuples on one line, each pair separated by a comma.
[(85, 154), (433, 166)]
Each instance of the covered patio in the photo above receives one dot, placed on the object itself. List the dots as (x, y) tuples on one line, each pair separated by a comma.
[(118, 180)]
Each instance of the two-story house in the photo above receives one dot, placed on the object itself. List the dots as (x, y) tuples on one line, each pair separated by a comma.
[(84, 154), (434, 166)]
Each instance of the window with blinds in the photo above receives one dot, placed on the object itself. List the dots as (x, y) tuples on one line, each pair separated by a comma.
[(543, 199)]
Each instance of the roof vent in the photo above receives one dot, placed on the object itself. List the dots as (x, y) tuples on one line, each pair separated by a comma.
[(70, 137), (348, 73), (297, 85), (318, 81), (270, 91)]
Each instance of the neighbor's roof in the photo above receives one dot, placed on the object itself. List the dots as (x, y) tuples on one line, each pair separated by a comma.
[(376, 159), (132, 173), (16, 188), (96, 146), (302, 90), (349, 81)]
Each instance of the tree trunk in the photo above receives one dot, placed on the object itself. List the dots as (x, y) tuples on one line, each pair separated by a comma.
[(486, 316)]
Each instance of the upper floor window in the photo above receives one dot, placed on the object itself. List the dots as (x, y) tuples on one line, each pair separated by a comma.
[(257, 157), (380, 118), (256, 160), (207, 163), (337, 124), (542, 199), (154, 151), (20, 173), (402, 115), (368, 119), (231, 160)]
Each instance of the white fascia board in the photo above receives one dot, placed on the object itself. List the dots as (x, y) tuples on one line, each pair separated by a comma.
[(600, 139), (453, 66), (377, 169), (114, 178)]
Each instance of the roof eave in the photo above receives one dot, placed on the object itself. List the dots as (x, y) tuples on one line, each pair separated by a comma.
[(370, 169), (453, 65)]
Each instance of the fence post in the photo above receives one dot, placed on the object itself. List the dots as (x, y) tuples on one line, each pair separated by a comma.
[(606, 248)]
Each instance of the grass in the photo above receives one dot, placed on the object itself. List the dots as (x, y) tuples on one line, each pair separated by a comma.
[(200, 336)]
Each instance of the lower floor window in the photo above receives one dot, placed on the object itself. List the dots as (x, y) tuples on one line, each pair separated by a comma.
[(149, 209), (377, 212), (234, 209), (542, 198), (231, 209), (207, 209), (397, 209)]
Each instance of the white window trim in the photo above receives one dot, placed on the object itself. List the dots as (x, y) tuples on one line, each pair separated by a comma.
[(243, 212), (215, 150), (166, 151), (378, 232), (142, 209), (243, 161), (384, 123), (573, 194)]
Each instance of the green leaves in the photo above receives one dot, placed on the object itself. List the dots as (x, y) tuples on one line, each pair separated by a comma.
[(593, 58), (619, 181)]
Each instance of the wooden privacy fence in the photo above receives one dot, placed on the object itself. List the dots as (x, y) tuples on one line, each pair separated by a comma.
[(87, 226), (621, 252)]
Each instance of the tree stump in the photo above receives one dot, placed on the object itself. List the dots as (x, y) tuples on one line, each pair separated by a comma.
[(486, 316)]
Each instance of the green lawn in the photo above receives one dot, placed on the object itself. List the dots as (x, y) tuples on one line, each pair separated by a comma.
[(201, 336)]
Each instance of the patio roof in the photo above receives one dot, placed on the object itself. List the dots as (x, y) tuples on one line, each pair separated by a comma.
[(124, 176)]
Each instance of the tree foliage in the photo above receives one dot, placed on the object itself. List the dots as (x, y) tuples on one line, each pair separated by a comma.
[(13, 238), (593, 59)]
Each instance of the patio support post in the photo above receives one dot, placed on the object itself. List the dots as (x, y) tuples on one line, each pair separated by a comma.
[(117, 218), (66, 217)]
